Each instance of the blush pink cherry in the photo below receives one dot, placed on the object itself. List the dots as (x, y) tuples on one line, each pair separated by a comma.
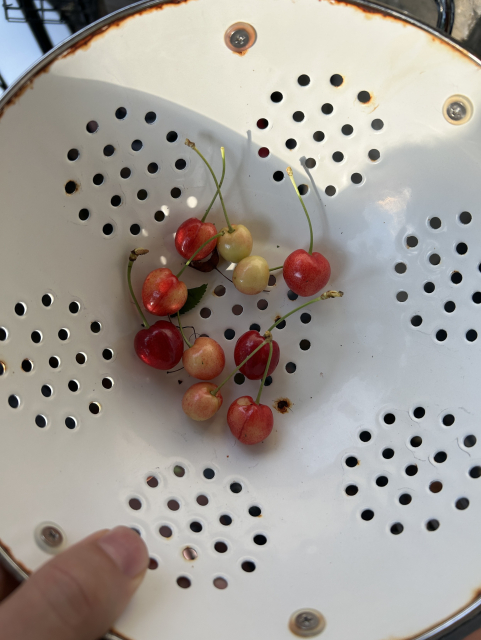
[(306, 274), (191, 235), (163, 293), (205, 359), (249, 422), (198, 402)]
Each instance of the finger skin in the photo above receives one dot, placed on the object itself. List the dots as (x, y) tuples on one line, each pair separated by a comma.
[(80, 593)]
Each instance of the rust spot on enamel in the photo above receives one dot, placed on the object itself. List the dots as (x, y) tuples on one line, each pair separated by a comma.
[(282, 405), (87, 41)]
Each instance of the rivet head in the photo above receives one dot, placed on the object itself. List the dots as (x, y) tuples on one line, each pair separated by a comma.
[(51, 536), (240, 36), (307, 623), (458, 110)]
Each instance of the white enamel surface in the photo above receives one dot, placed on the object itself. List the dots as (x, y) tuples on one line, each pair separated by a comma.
[(365, 360)]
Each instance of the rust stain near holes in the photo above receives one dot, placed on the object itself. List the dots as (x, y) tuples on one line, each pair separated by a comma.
[(475, 597), (282, 405), (85, 44)]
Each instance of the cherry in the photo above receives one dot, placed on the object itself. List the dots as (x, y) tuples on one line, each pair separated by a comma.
[(235, 245), (160, 345), (248, 421), (163, 293), (205, 359), (251, 275), (191, 235), (254, 368), (200, 402), (305, 273), (237, 241)]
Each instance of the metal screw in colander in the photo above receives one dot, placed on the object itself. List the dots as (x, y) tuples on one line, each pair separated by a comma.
[(51, 536), (457, 111), (364, 502)]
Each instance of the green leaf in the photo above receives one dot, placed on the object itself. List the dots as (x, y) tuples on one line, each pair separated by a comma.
[(194, 296)]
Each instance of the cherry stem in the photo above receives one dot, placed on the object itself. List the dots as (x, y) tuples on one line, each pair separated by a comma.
[(182, 331), (222, 150), (220, 185), (324, 296), (215, 391), (223, 274), (218, 235), (263, 381), (275, 268), (133, 257), (289, 173)]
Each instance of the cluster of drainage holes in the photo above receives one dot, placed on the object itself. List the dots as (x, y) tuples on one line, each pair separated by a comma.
[(226, 520)]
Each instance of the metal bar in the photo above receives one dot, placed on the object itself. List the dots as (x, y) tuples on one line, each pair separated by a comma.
[(36, 25)]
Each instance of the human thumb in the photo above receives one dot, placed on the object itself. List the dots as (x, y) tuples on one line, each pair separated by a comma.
[(80, 593)]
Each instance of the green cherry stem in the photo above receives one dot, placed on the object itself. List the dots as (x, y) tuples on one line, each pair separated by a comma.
[(182, 331), (215, 391), (289, 173), (132, 258), (263, 381), (275, 268), (218, 235), (220, 185), (222, 150), (324, 296)]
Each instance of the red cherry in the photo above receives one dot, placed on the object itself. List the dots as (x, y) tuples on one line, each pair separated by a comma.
[(160, 346), (249, 422), (163, 293), (255, 367), (306, 274), (191, 235)]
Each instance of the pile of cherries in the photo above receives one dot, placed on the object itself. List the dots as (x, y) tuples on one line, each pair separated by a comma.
[(163, 294)]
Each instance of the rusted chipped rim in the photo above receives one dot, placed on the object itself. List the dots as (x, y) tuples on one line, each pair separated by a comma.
[(6, 559), (103, 24)]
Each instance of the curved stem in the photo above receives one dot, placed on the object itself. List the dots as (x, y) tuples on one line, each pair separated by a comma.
[(182, 331), (133, 257), (223, 274), (218, 190), (324, 296), (289, 173), (218, 235), (275, 268), (222, 150), (215, 391), (263, 381)]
